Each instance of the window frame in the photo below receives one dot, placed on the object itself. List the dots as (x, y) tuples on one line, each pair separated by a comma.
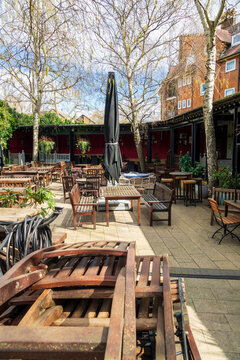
[(236, 43), (179, 104), (189, 82), (228, 90), (184, 104), (179, 83), (184, 83), (227, 62), (188, 103)]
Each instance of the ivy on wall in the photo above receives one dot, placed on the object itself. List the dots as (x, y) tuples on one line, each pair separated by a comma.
[(10, 120)]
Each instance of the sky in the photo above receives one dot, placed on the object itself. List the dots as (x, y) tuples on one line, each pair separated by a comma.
[(92, 93)]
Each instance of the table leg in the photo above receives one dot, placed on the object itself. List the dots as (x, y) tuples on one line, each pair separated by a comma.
[(107, 212), (131, 205), (139, 212)]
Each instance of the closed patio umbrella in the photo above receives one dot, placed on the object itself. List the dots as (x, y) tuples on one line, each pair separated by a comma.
[(112, 160)]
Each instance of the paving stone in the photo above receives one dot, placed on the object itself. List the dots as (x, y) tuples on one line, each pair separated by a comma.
[(210, 306), (213, 305)]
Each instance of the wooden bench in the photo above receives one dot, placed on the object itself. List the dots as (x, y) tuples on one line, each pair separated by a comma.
[(34, 176), (12, 183), (83, 204), (125, 297), (220, 195), (160, 201)]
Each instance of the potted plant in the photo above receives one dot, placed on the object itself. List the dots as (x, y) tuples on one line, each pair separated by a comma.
[(83, 145), (46, 144), (185, 163)]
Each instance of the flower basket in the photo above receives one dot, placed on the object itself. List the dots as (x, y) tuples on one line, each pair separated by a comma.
[(46, 144), (83, 145)]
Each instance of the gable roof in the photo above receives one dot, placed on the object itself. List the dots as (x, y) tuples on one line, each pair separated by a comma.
[(224, 35)]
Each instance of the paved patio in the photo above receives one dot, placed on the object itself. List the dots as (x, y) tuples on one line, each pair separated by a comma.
[(213, 304)]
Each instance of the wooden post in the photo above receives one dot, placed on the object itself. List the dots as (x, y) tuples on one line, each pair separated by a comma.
[(149, 144)]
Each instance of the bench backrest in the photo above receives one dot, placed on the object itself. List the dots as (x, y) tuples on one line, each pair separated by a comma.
[(74, 195), (20, 182), (220, 195), (20, 174), (162, 192)]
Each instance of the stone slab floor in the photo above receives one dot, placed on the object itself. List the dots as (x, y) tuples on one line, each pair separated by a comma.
[(213, 304)]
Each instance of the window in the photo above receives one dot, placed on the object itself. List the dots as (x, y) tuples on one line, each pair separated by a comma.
[(202, 89), (184, 81), (179, 82), (184, 104), (228, 92), (230, 65), (189, 80), (188, 102), (190, 59), (235, 39), (179, 104)]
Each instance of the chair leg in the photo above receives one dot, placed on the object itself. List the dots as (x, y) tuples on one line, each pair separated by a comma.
[(211, 220), (75, 221), (150, 215), (94, 217), (169, 217)]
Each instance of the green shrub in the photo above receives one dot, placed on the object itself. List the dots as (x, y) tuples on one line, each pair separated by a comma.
[(225, 179)]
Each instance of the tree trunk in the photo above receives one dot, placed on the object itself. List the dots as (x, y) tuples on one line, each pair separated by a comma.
[(208, 109), (138, 144), (35, 132)]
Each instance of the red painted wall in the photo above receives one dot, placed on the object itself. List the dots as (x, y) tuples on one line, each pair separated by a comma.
[(183, 135), (21, 140), (62, 144), (160, 144)]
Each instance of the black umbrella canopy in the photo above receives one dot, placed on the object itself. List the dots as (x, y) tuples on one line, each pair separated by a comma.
[(112, 160)]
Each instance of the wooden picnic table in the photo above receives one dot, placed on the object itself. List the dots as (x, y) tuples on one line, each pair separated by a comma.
[(10, 215), (232, 203), (121, 193)]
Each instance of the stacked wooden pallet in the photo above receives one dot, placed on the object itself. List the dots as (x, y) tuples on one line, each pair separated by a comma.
[(95, 300)]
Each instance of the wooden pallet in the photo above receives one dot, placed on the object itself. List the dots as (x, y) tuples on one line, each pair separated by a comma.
[(107, 316)]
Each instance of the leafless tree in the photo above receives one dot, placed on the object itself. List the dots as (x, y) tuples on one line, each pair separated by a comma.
[(39, 51), (133, 38), (210, 23)]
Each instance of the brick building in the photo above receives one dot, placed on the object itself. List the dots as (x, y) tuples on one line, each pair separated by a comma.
[(184, 86)]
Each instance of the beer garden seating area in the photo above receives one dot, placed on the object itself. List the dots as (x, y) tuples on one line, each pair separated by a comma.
[(193, 253)]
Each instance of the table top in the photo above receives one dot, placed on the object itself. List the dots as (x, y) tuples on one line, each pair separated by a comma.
[(180, 173), (135, 175), (233, 203), (120, 191), (9, 215)]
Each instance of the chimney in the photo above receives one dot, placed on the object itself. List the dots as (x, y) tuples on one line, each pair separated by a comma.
[(229, 19)]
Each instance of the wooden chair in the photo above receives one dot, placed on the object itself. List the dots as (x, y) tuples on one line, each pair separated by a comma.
[(83, 205), (68, 182), (223, 221), (59, 171), (220, 195), (160, 201)]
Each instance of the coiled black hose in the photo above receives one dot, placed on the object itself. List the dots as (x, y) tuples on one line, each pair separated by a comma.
[(23, 237)]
